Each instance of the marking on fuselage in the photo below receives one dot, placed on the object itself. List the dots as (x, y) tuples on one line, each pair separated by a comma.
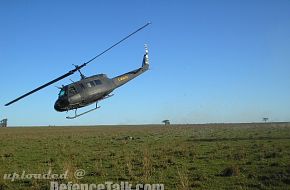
[(123, 78)]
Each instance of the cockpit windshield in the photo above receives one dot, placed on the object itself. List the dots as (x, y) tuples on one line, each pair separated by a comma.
[(61, 93)]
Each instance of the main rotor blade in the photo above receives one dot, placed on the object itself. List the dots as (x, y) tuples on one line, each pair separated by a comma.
[(119, 42), (47, 84)]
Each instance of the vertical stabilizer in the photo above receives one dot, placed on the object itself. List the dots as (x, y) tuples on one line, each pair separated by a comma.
[(145, 62)]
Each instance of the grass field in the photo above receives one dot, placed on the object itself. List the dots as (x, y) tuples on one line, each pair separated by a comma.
[(221, 156)]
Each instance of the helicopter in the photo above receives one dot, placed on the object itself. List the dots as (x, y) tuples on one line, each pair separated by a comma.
[(92, 89)]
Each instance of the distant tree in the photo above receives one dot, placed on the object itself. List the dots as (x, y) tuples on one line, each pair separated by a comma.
[(3, 123), (166, 122), (265, 119)]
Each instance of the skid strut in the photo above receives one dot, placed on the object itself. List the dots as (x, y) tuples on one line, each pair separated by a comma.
[(78, 115)]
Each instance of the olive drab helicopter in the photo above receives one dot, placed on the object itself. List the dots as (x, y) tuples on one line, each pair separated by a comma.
[(90, 90)]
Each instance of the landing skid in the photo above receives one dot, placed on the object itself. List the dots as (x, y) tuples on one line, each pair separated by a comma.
[(97, 107), (78, 115)]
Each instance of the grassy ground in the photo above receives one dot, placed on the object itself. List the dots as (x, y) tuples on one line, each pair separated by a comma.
[(230, 156)]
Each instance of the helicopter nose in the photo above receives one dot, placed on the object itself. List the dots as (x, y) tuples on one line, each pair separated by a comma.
[(61, 105)]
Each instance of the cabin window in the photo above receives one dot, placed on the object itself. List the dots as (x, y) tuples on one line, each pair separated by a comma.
[(98, 82), (72, 90), (90, 84)]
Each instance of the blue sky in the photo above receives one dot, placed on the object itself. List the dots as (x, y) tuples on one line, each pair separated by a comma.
[(211, 61)]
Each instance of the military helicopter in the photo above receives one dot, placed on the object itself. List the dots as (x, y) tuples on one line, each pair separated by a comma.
[(90, 90)]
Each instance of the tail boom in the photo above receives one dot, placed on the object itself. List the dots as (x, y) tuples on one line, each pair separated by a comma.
[(124, 78)]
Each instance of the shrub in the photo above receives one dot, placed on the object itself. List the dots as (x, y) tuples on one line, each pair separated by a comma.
[(230, 171)]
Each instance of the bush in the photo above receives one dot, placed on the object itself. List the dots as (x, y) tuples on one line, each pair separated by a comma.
[(230, 171)]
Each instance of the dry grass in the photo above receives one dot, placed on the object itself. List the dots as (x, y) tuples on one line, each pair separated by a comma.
[(225, 156)]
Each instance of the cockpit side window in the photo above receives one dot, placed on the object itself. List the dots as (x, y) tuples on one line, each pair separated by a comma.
[(72, 90), (82, 85)]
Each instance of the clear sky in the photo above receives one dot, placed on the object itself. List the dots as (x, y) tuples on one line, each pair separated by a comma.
[(211, 61)]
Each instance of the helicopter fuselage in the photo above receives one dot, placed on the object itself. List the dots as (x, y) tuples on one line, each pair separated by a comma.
[(93, 89)]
